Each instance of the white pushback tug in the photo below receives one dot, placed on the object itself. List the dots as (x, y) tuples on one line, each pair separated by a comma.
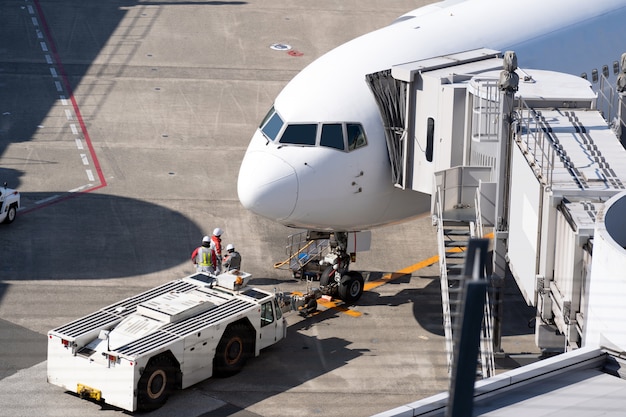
[(133, 353), (9, 204)]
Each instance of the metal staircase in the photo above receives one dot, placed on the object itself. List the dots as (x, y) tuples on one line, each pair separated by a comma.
[(456, 235), (304, 255), (455, 227)]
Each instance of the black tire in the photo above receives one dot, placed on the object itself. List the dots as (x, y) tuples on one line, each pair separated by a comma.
[(11, 214), (156, 383), (310, 308), (325, 278), (351, 287), (233, 350)]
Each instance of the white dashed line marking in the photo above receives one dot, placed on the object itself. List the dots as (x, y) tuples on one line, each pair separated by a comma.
[(45, 200), (71, 111)]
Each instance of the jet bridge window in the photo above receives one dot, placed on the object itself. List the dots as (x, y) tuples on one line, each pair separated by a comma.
[(267, 314), (332, 136), (430, 138), (300, 134), (356, 136), (271, 124)]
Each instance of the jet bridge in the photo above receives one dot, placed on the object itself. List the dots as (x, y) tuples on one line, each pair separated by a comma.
[(427, 93), (538, 166)]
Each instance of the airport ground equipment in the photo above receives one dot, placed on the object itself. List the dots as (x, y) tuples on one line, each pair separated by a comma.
[(9, 204), (326, 256), (134, 353)]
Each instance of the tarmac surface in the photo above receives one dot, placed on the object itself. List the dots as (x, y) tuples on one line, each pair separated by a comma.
[(123, 124)]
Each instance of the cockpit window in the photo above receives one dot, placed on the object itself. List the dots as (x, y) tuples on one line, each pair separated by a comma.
[(271, 124), (304, 134), (356, 136), (332, 136)]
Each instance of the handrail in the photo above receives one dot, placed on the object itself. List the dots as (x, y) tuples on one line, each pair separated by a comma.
[(486, 341), (607, 100), (534, 136), (479, 214), (299, 245), (445, 294)]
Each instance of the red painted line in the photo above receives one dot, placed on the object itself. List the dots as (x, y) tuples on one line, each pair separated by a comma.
[(57, 61), (64, 197)]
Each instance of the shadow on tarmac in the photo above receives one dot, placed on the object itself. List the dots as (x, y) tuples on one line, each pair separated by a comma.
[(91, 236), (428, 312), (26, 104), (290, 363)]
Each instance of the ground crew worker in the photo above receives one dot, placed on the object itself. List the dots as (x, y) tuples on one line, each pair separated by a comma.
[(232, 258), (216, 245), (203, 257)]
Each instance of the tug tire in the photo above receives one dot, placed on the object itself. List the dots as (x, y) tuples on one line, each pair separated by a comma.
[(156, 383), (233, 350)]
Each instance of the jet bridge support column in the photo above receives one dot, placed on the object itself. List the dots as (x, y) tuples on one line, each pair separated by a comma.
[(508, 85)]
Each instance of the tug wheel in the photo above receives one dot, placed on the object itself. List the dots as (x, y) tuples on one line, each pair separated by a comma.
[(233, 350), (156, 383)]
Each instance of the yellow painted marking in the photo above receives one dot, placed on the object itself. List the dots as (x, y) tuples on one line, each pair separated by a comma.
[(388, 278), (402, 272), (374, 284), (339, 307)]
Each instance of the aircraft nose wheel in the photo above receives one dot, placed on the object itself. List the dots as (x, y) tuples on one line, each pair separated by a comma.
[(351, 287)]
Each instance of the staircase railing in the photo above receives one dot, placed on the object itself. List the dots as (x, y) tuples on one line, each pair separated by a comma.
[(302, 251), (443, 269), (487, 362)]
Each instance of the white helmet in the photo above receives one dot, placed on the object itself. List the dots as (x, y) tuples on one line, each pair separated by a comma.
[(217, 231), (230, 247), (206, 239)]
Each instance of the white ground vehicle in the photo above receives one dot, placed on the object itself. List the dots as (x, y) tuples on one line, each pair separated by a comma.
[(133, 353), (9, 204)]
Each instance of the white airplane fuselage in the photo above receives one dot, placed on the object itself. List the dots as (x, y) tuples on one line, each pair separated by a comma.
[(324, 188)]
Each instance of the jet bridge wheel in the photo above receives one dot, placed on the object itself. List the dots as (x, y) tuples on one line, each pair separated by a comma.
[(156, 383), (233, 350), (351, 287)]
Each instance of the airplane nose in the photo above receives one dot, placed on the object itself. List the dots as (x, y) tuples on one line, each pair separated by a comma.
[(267, 185)]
